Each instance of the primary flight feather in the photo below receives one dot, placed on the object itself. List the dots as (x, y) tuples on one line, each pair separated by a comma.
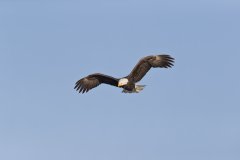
[(128, 83)]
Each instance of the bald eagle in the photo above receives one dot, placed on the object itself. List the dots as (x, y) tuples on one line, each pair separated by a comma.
[(128, 83)]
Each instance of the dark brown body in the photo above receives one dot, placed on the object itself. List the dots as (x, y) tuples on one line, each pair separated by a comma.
[(129, 87)]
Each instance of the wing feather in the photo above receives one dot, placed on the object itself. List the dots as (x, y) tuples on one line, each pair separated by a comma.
[(146, 63), (91, 81)]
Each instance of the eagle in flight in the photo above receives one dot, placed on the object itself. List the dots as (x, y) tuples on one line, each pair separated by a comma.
[(128, 83)]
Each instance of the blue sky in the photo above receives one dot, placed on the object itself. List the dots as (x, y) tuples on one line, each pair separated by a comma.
[(191, 111)]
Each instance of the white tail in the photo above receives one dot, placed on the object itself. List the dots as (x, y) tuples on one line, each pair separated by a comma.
[(137, 89)]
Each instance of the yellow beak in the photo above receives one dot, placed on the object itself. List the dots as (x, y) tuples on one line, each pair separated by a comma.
[(119, 85)]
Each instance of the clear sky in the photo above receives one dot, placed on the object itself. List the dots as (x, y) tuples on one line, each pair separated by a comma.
[(189, 112)]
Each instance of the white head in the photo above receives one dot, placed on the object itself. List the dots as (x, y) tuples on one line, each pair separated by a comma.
[(122, 82)]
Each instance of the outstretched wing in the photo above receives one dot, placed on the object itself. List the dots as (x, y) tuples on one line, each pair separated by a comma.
[(93, 80), (145, 64)]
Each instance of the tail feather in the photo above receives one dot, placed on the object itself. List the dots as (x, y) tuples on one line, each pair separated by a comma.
[(137, 89)]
